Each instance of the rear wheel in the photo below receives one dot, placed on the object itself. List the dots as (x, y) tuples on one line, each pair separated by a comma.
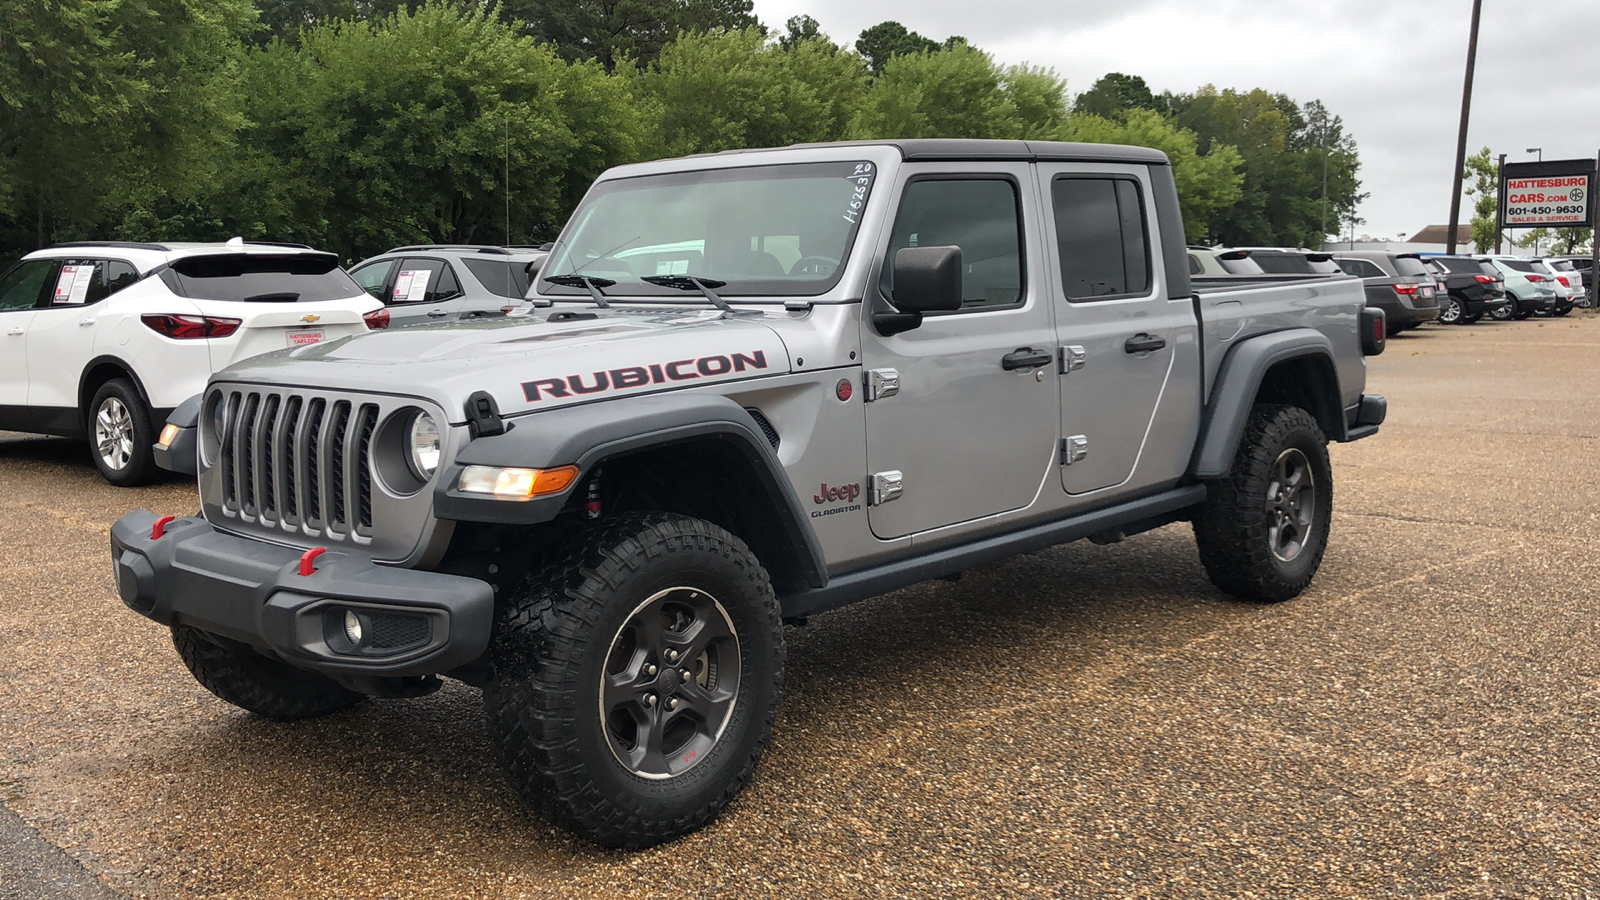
[(633, 686), (1263, 529), (121, 434), (1451, 311), (1504, 313), (1564, 311)]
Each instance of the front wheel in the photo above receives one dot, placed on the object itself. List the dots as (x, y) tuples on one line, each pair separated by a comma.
[(121, 434), (1263, 529), (633, 686)]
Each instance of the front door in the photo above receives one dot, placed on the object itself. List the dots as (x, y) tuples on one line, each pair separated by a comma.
[(19, 295), (970, 432), (1119, 332)]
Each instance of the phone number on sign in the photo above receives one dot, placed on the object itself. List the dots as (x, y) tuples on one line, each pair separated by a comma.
[(1545, 211)]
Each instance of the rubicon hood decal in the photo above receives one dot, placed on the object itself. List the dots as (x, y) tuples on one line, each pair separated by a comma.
[(677, 370)]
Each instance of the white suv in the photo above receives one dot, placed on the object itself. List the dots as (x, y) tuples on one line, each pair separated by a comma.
[(102, 340)]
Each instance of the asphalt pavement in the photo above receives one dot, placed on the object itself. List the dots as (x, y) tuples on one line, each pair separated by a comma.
[(1082, 722)]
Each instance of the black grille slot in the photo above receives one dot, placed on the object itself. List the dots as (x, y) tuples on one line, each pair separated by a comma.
[(291, 462), (766, 426), (230, 416), (319, 409), (268, 444), (245, 442), (396, 632), (338, 431), (366, 424)]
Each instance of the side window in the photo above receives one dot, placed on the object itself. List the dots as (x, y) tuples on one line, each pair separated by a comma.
[(421, 281), (20, 288), (83, 282), (373, 276), (119, 275), (1100, 237), (1194, 265), (448, 287), (1360, 268), (979, 215)]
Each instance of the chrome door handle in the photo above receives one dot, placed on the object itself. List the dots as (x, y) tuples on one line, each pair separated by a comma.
[(438, 313)]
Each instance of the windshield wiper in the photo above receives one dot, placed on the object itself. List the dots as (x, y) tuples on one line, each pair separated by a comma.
[(593, 283), (704, 286)]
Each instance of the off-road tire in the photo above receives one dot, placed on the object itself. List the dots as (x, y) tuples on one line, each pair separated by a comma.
[(1233, 527), (552, 641), (140, 467), (266, 687)]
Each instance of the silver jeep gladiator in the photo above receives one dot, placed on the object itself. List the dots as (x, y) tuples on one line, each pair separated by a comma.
[(753, 386)]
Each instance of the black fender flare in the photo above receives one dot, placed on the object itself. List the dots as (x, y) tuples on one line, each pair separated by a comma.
[(586, 436), (1238, 383), (182, 455)]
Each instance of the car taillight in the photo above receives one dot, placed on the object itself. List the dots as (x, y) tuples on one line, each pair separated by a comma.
[(1535, 278), (1405, 289), (1564, 281), (1483, 279), (378, 318), (191, 327)]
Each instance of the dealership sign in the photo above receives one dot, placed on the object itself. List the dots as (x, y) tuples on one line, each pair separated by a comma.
[(1557, 192)]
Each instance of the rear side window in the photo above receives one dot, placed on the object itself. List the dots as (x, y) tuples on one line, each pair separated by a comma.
[(20, 288), (423, 281), (247, 278), (979, 215), (1409, 265), (500, 277), (1360, 268), (1194, 265), (1100, 237), (81, 282)]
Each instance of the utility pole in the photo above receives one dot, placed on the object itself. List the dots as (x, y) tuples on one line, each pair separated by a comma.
[(1500, 200), (1461, 138), (1324, 234), (1594, 237)]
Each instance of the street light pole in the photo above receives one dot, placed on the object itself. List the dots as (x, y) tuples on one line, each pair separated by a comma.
[(1461, 137)]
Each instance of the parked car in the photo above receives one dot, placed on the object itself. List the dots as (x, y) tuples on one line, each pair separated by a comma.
[(832, 371), (1473, 289), (1586, 284), (103, 340), (1220, 262), (1529, 289), (449, 282), (1293, 261), (1567, 283), (1397, 283)]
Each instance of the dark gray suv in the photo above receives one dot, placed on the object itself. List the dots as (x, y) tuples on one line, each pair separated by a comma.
[(1400, 284), (447, 282)]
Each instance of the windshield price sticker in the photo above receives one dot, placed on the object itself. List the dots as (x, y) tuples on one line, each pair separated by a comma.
[(861, 176), (72, 285), (1547, 201), (410, 285)]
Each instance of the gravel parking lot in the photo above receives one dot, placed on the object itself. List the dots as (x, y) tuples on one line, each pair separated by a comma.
[(1087, 721)]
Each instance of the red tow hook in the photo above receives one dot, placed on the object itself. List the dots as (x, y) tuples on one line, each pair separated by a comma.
[(309, 557), (158, 530)]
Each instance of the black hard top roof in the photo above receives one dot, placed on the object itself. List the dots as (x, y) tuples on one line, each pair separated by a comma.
[(924, 149)]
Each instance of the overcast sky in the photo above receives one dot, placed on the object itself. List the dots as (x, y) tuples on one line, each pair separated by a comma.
[(1391, 68)]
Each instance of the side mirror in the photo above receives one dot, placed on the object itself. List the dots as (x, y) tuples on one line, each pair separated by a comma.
[(926, 279)]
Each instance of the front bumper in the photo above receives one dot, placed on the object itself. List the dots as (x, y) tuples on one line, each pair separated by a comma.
[(414, 622)]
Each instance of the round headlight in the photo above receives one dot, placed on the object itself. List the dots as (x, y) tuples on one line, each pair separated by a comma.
[(424, 445)]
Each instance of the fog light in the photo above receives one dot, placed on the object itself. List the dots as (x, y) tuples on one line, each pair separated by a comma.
[(168, 435), (352, 627)]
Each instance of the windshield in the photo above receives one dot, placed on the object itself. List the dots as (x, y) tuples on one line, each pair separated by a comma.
[(764, 230)]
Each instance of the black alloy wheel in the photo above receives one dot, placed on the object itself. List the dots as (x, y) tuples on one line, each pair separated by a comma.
[(1291, 504)]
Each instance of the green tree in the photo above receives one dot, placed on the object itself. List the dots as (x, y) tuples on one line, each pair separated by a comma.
[(371, 134), (615, 30), (1572, 240), (283, 19), (1207, 182), (725, 90), (1534, 239), (886, 40), (959, 92), (1115, 94), (106, 105), (799, 29), (1482, 176)]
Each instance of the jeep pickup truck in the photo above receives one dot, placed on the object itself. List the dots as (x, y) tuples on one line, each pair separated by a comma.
[(756, 385)]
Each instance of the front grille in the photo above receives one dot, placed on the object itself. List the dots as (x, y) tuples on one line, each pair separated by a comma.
[(296, 463)]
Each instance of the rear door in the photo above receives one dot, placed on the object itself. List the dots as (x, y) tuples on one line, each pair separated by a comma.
[(1120, 334), (71, 326), (968, 436), (20, 290), (424, 290)]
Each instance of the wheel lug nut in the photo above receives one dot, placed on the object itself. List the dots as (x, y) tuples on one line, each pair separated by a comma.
[(672, 656), (672, 704), (650, 669), (683, 674), (649, 699)]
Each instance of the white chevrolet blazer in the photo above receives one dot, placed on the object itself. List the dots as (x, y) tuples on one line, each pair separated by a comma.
[(102, 340)]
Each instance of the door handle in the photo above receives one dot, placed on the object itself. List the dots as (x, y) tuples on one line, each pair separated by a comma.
[(1144, 343), (438, 313), (85, 323), (1025, 358), (15, 332)]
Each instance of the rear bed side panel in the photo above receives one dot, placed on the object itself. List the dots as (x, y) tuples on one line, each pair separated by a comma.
[(1239, 310)]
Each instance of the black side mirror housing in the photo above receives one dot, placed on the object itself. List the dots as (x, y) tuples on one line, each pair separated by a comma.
[(926, 279)]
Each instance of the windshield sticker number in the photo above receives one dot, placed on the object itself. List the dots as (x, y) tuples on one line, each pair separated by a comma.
[(72, 285), (861, 177), (411, 285)]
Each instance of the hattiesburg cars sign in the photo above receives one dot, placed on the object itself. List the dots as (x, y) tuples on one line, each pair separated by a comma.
[(1557, 192)]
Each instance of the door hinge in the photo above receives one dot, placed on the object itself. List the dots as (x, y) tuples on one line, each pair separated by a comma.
[(1073, 357), (881, 383), (1073, 448), (884, 486)]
